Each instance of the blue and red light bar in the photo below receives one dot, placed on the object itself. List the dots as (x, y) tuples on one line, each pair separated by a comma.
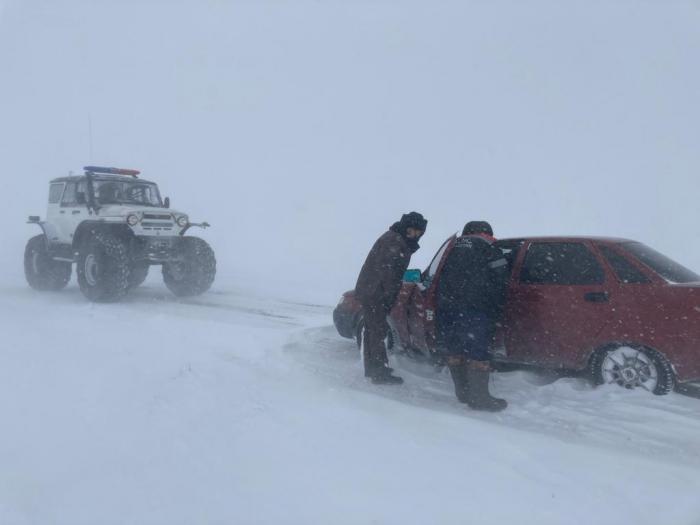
[(111, 171)]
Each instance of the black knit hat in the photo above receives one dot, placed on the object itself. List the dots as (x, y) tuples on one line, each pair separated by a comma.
[(413, 220), (474, 227)]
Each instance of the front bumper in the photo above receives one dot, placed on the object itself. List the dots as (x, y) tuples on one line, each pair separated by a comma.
[(158, 249)]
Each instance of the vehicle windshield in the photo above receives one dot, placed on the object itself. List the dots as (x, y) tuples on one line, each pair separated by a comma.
[(667, 268), (127, 192)]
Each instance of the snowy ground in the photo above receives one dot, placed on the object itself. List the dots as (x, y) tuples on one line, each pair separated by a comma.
[(231, 408)]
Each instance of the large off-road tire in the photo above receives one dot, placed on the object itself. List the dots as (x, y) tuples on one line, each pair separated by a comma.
[(195, 274), (137, 275), (632, 366), (103, 267), (41, 271)]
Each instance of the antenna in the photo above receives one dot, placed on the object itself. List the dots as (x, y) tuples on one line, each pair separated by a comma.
[(90, 133)]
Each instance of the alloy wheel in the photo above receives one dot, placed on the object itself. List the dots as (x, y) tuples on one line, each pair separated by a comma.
[(630, 368)]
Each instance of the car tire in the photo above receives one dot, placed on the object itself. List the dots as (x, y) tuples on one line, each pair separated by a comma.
[(41, 271), (195, 274), (393, 342), (633, 366), (137, 275), (103, 268)]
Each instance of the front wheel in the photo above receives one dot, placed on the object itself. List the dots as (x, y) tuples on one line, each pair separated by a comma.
[(138, 274), (195, 273), (104, 268), (633, 367), (41, 271)]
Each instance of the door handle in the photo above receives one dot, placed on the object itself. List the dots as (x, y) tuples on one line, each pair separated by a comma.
[(76, 212), (597, 297), (62, 211)]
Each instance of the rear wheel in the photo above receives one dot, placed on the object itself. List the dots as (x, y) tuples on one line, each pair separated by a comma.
[(195, 273), (104, 268), (41, 271), (633, 367)]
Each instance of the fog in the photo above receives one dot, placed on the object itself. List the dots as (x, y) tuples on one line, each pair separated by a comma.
[(302, 130)]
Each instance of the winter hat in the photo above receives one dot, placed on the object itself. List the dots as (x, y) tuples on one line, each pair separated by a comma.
[(413, 220), (475, 227)]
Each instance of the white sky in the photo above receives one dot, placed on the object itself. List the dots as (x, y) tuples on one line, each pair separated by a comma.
[(301, 130)]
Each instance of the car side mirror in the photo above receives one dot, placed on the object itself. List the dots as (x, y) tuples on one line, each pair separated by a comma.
[(166, 202), (412, 276)]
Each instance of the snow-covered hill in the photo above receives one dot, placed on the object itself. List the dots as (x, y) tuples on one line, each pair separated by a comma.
[(232, 408)]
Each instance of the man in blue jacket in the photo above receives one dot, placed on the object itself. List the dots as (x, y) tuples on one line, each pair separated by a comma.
[(470, 299)]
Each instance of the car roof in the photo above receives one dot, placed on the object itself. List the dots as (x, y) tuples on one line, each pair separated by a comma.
[(575, 238), (116, 178)]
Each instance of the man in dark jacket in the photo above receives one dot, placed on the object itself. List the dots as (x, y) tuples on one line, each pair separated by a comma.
[(378, 286), (470, 300)]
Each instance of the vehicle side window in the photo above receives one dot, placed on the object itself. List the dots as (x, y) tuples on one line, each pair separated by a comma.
[(69, 198), (74, 195), (565, 263), (510, 252), (432, 269), (55, 192), (625, 271)]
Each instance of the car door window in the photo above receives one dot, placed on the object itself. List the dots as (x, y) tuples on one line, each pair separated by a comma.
[(69, 195), (55, 192), (562, 263), (625, 271), (74, 194), (435, 264), (510, 251)]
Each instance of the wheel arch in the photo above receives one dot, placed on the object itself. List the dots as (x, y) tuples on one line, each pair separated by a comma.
[(88, 227)]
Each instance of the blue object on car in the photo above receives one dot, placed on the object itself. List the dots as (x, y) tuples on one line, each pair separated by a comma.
[(412, 276)]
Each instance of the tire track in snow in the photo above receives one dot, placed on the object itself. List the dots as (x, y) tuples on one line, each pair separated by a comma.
[(568, 409)]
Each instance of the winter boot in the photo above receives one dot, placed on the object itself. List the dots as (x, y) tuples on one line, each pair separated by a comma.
[(478, 396), (382, 376), (458, 371)]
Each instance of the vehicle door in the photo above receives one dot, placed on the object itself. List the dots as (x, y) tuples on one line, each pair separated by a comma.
[(510, 249), (557, 305), (632, 296), (72, 211), (52, 211), (421, 309)]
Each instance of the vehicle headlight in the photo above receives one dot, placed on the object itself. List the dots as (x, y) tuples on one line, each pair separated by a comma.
[(182, 221), (132, 219)]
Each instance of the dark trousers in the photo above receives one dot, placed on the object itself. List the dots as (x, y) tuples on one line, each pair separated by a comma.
[(466, 333), (373, 336)]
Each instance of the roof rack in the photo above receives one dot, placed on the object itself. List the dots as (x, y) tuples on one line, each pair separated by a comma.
[(111, 171)]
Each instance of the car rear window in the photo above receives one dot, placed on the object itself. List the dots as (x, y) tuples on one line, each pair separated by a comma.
[(625, 270), (667, 268)]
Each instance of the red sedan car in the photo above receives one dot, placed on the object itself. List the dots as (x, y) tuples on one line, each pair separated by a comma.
[(614, 308)]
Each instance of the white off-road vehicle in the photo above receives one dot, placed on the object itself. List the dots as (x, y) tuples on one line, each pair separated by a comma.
[(114, 226)]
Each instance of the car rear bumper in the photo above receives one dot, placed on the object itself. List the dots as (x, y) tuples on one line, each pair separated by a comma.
[(344, 322)]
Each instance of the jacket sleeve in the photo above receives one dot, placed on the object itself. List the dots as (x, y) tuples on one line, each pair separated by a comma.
[(393, 265)]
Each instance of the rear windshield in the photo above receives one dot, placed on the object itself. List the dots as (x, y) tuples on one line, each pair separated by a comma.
[(667, 268)]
